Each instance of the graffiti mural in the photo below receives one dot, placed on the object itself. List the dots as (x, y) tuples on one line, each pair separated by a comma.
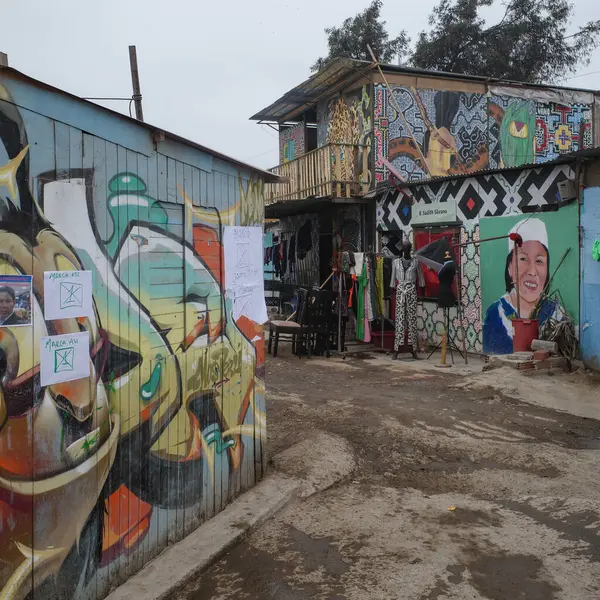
[(98, 475), (443, 133)]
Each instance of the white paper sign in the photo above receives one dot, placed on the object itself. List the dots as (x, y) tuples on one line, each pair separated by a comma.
[(244, 279), (67, 294), (64, 357)]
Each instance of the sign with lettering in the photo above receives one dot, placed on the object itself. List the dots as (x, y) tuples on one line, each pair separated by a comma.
[(67, 294), (64, 357), (244, 283), (435, 212)]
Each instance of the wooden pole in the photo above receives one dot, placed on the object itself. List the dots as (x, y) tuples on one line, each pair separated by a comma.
[(400, 113), (461, 313), (340, 299), (444, 345), (135, 81), (320, 287)]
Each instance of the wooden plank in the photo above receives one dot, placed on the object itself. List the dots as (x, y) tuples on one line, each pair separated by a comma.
[(365, 169), (338, 171)]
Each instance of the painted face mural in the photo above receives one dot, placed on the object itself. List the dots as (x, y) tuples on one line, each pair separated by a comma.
[(171, 417), (521, 278), (532, 273)]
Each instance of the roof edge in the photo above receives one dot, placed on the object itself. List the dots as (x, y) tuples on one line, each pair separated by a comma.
[(267, 175)]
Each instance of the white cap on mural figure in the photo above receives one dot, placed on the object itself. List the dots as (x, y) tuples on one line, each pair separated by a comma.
[(531, 230)]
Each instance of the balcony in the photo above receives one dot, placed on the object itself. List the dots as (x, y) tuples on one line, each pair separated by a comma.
[(334, 170)]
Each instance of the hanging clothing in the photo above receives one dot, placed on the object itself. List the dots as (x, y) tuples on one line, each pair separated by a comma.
[(361, 281), (276, 262), (283, 257), (345, 262), (388, 290), (405, 274), (379, 290), (359, 261), (363, 329), (304, 239), (292, 250), (369, 316), (372, 265)]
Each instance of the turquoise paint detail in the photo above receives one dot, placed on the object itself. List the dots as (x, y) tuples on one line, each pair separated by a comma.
[(150, 388), (128, 202), (221, 444)]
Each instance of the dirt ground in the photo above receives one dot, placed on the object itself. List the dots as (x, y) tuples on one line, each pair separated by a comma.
[(467, 485)]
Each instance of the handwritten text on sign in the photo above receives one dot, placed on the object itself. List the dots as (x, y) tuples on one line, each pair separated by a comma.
[(64, 357), (244, 284), (67, 294)]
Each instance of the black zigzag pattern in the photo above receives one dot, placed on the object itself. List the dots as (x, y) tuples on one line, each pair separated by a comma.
[(493, 184), (536, 180)]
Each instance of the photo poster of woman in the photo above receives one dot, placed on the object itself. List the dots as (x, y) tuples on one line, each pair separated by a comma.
[(546, 237)]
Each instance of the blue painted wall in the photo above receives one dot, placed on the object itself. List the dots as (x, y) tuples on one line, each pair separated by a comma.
[(100, 474), (590, 280)]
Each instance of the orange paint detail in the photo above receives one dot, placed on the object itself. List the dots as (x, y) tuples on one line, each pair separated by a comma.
[(16, 443), (207, 245), (250, 330), (126, 523), (147, 413), (196, 446)]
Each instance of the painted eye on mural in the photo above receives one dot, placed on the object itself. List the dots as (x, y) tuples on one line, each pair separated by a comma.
[(519, 129)]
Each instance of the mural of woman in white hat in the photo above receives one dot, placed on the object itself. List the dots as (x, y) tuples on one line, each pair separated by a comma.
[(533, 276)]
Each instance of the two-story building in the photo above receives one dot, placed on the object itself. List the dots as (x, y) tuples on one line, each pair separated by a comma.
[(361, 151)]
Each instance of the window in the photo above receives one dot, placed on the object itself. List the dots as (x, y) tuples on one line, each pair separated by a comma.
[(424, 236)]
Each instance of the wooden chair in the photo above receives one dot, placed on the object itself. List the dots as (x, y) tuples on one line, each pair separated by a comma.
[(320, 307), (293, 329)]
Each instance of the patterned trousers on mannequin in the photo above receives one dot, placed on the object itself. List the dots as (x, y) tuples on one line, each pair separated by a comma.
[(406, 314)]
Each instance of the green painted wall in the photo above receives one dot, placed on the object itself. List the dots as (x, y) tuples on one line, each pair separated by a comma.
[(562, 233)]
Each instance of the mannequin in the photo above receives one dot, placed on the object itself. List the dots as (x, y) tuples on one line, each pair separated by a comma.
[(406, 271), (446, 297)]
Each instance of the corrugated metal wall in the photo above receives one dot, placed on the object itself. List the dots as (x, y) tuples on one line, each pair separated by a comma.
[(590, 279), (98, 475)]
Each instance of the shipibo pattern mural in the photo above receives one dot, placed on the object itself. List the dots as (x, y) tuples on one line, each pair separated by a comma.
[(98, 475), (443, 133)]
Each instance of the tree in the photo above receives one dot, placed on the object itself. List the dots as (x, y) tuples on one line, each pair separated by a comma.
[(530, 42), (351, 39)]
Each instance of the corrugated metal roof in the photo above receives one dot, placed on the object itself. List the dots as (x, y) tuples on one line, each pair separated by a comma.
[(337, 75), (342, 72), (266, 175)]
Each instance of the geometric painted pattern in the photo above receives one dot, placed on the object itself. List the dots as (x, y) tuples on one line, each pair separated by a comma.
[(561, 129), (486, 131), (480, 196), (380, 131), (499, 194)]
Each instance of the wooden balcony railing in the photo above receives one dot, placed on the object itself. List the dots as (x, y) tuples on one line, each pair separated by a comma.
[(335, 170)]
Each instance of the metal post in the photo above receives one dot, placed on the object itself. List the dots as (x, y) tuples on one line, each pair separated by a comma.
[(460, 310), (135, 81), (516, 282), (340, 299)]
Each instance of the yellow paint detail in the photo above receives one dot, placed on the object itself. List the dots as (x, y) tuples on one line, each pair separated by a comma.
[(8, 173), (521, 132)]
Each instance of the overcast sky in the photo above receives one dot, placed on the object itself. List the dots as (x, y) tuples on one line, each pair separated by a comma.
[(205, 66)]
